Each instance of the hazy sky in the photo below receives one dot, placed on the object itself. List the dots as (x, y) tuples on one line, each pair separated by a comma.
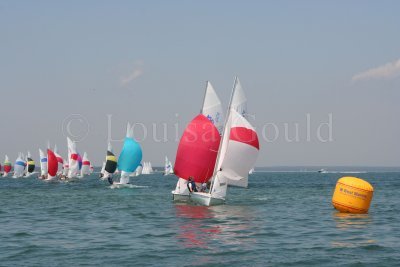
[(66, 66)]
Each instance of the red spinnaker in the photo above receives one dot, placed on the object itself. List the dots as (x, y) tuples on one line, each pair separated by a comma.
[(7, 168), (52, 163), (197, 150)]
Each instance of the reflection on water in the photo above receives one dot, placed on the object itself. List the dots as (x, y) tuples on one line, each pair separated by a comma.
[(353, 230), (195, 232), (213, 227), (348, 221)]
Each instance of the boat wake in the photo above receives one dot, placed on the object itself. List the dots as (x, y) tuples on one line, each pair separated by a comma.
[(118, 186)]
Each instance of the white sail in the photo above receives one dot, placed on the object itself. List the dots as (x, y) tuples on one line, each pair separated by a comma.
[(103, 168), (124, 177), (85, 170), (241, 151), (145, 169), (168, 167), (212, 107), (239, 100), (139, 170), (65, 169), (60, 161), (19, 166), (237, 153), (73, 159), (43, 163)]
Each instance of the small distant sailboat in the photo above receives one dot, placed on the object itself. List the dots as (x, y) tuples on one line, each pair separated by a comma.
[(251, 171), (139, 170), (60, 161), (111, 163), (103, 168), (65, 169), (168, 167), (85, 170), (30, 165), (147, 169), (196, 157), (130, 157), (7, 166), (73, 159), (19, 166), (43, 164), (52, 165), (79, 159), (237, 154)]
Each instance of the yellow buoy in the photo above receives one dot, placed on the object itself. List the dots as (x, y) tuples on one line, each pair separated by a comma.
[(352, 195)]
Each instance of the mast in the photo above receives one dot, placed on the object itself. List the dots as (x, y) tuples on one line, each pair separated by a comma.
[(223, 135)]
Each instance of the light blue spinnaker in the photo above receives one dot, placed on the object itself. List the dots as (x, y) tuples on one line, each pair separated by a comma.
[(130, 157)]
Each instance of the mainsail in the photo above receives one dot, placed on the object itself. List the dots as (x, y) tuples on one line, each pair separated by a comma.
[(212, 107)]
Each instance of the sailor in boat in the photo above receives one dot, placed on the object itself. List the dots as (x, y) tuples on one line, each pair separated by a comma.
[(110, 179), (191, 185), (203, 187)]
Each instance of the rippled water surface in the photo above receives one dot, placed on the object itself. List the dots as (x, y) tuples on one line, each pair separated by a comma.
[(282, 219)]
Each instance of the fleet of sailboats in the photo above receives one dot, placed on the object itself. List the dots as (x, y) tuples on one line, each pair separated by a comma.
[(216, 149)]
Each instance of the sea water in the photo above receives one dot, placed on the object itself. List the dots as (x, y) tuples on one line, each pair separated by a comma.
[(282, 219)]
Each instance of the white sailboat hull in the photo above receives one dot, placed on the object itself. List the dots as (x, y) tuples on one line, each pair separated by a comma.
[(176, 196), (205, 199)]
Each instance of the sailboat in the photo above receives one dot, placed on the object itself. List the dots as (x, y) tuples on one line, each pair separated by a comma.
[(30, 165), (60, 161), (168, 167), (79, 159), (239, 103), (237, 154), (7, 166), (111, 163), (52, 165), (85, 170), (19, 166), (147, 169), (139, 170), (65, 169), (198, 147), (103, 168), (73, 159), (129, 159), (43, 164)]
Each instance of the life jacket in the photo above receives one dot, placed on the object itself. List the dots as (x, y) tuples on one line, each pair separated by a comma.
[(194, 189)]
